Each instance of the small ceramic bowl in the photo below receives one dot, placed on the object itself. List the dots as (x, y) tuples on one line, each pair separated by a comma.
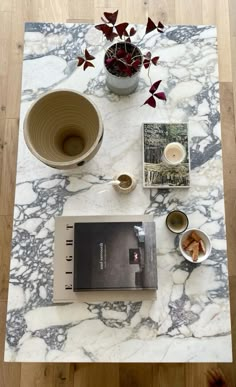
[(206, 240)]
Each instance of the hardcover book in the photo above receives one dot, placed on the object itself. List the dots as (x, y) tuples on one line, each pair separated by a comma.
[(63, 283), (156, 173), (115, 255)]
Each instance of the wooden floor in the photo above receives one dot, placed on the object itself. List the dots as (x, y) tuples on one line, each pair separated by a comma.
[(13, 14)]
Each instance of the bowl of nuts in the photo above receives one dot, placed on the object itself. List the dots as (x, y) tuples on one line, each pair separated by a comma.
[(195, 245)]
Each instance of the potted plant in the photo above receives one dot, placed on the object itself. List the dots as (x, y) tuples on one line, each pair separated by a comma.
[(123, 60)]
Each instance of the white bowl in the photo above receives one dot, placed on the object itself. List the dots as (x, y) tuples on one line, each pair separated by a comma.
[(205, 239)]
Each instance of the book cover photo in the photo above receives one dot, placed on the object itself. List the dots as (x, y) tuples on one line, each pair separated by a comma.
[(114, 255)]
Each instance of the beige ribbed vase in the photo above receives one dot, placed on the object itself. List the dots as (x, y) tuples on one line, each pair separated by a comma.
[(63, 129)]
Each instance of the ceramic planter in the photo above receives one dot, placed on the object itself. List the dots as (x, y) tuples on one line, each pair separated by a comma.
[(63, 129), (120, 84)]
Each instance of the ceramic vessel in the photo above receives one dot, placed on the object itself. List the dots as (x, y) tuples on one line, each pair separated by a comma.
[(123, 85), (206, 240), (127, 182), (63, 129), (177, 221)]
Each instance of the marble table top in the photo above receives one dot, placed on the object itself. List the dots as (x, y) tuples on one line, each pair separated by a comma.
[(190, 319)]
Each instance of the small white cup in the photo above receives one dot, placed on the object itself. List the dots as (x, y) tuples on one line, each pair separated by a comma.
[(174, 153)]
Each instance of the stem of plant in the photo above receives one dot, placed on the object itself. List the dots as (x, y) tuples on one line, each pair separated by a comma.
[(149, 75), (141, 39)]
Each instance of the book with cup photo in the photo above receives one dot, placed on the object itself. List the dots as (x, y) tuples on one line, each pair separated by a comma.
[(105, 258), (161, 141)]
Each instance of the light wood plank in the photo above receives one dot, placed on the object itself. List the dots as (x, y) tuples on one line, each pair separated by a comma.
[(81, 11), (3, 57), (7, 184), (209, 10), (163, 10), (3, 97), (230, 369), (232, 13), (188, 12), (5, 250), (3, 308), (132, 11), (136, 11), (17, 39), (99, 375), (223, 33), (9, 373), (137, 375), (14, 90), (196, 374), (229, 168), (165, 375), (228, 372), (5, 35), (50, 10), (6, 5), (106, 4), (233, 58), (2, 132), (5, 25), (63, 375), (37, 375)]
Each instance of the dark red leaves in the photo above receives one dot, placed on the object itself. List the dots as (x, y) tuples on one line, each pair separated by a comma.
[(88, 64), (121, 53), (160, 27), (151, 26), (148, 55), (148, 60), (151, 102), (121, 29), (109, 24), (107, 31), (88, 56), (155, 60), (146, 63), (161, 96), (80, 61), (136, 64), (85, 60), (111, 17), (110, 61), (128, 59), (154, 87), (128, 70), (132, 31)]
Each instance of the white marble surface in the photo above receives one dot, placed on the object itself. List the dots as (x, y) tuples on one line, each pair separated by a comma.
[(190, 320)]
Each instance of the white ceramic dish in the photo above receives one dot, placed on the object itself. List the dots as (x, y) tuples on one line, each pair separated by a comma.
[(206, 240)]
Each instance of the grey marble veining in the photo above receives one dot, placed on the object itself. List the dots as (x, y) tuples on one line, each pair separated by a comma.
[(190, 319)]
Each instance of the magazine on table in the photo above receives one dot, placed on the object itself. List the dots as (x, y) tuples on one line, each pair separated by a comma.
[(100, 258)]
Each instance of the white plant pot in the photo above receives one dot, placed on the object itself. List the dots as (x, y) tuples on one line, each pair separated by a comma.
[(123, 85)]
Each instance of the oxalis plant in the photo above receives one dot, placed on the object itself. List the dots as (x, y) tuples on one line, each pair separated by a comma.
[(124, 59)]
